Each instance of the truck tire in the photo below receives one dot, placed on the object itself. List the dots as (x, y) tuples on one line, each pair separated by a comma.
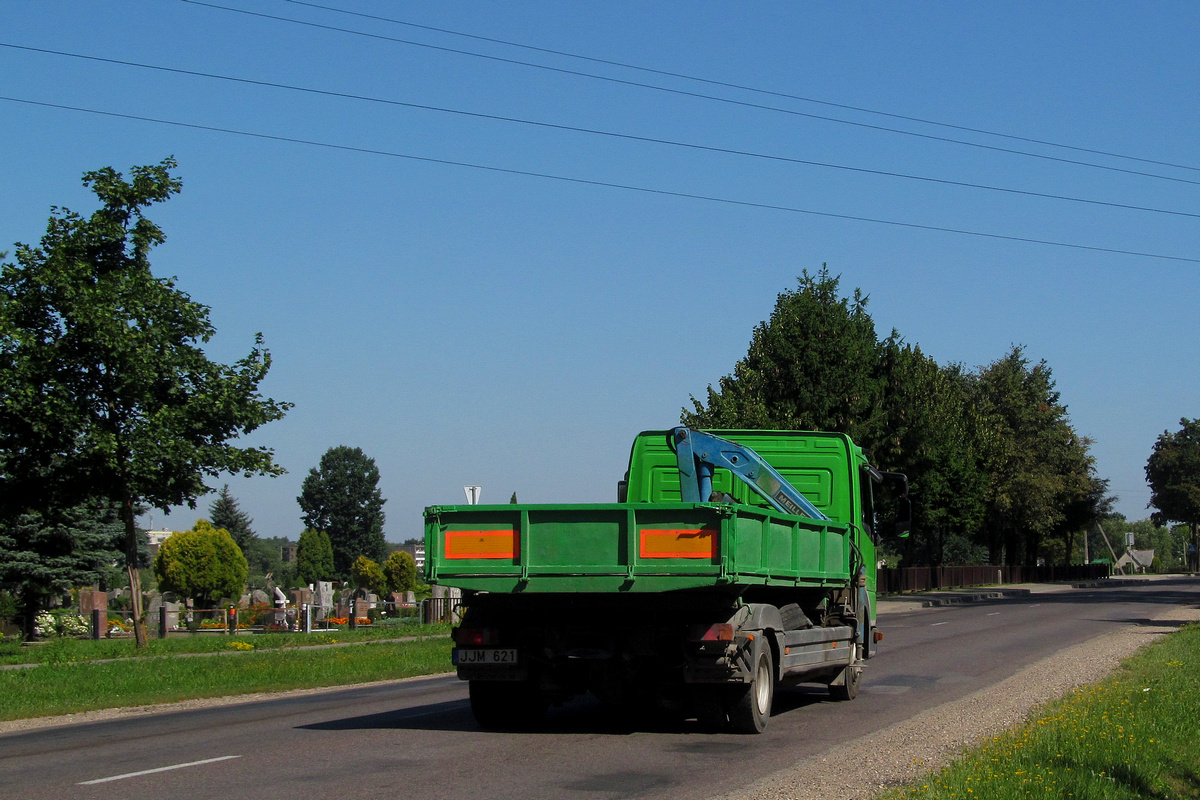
[(847, 686), (751, 705), (505, 705)]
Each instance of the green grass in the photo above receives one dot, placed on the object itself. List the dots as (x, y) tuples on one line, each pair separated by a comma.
[(1135, 735), (72, 687), (57, 651)]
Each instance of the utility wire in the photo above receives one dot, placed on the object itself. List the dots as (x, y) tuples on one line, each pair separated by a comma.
[(608, 184), (696, 95), (741, 87), (598, 132)]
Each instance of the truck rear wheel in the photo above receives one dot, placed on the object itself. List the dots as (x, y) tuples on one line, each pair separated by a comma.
[(846, 687), (751, 706), (505, 705)]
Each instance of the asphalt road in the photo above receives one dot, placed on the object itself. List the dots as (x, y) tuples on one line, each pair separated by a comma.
[(417, 738)]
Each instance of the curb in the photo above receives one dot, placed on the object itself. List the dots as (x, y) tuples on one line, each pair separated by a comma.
[(1109, 583), (974, 597)]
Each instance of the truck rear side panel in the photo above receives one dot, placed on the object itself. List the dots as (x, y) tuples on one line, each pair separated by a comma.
[(630, 547)]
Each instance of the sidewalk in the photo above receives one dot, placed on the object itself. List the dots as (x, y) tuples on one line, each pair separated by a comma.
[(898, 603)]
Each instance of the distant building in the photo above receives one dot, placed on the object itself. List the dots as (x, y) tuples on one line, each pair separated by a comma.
[(156, 539), (287, 553), (417, 551), (1140, 560)]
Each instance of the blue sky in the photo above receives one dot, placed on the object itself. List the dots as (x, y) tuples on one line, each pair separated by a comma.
[(474, 326)]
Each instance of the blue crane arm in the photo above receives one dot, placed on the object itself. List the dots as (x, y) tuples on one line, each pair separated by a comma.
[(700, 452)]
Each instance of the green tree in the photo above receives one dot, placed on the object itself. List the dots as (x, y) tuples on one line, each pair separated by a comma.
[(203, 564), (1173, 472), (108, 394), (367, 574), (929, 434), (1084, 507), (341, 497), (314, 557), (224, 512), (41, 556), (817, 364), (811, 366), (1034, 462), (265, 555), (400, 569)]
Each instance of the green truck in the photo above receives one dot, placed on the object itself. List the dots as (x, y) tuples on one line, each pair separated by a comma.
[(733, 562)]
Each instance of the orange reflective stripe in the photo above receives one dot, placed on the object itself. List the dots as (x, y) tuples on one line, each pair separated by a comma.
[(678, 543), (481, 544)]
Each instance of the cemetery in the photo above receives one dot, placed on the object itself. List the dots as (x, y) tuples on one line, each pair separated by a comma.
[(91, 613)]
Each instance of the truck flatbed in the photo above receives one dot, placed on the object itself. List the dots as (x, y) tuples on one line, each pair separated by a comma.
[(632, 547)]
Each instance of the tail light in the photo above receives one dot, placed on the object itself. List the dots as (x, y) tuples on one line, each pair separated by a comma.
[(476, 637), (718, 632)]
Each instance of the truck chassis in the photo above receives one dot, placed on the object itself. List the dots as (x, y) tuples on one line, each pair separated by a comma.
[(715, 658)]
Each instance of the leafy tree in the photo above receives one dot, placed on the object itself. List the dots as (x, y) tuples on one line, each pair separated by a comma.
[(341, 497), (41, 556), (203, 563), (1173, 472), (265, 555), (108, 394), (1083, 509), (961, 551), (929, 434), (817, 364), (225, 513), (314, 557), (1035, 464), (991, 456), (811, 366), (367, 574), (400, 569)]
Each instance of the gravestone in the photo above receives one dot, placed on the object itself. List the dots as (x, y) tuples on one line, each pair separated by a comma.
[(323, 596), (89, 601)]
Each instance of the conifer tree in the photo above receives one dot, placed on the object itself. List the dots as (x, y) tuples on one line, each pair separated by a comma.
[(225, 513)]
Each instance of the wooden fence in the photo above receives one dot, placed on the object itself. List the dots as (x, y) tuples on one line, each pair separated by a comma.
[(918, 579)]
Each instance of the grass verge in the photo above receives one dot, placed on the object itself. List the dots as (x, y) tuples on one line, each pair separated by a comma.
[(66, 650), (1132, 736), (68, 688)]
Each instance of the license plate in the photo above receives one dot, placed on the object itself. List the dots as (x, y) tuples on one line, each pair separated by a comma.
[(493, 656)]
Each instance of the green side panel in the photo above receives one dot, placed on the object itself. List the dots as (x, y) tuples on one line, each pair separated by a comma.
[(598, 548), (786, 550)]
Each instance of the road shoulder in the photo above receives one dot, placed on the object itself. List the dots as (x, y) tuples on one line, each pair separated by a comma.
[(927, 742)]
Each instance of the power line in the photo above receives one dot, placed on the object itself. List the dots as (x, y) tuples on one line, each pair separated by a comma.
[(599, 132), (695, 95), (741, 87), (609, 184)]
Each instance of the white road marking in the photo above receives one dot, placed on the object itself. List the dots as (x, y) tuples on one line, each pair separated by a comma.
[(994, 614), (158, 769), (939, 623)]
